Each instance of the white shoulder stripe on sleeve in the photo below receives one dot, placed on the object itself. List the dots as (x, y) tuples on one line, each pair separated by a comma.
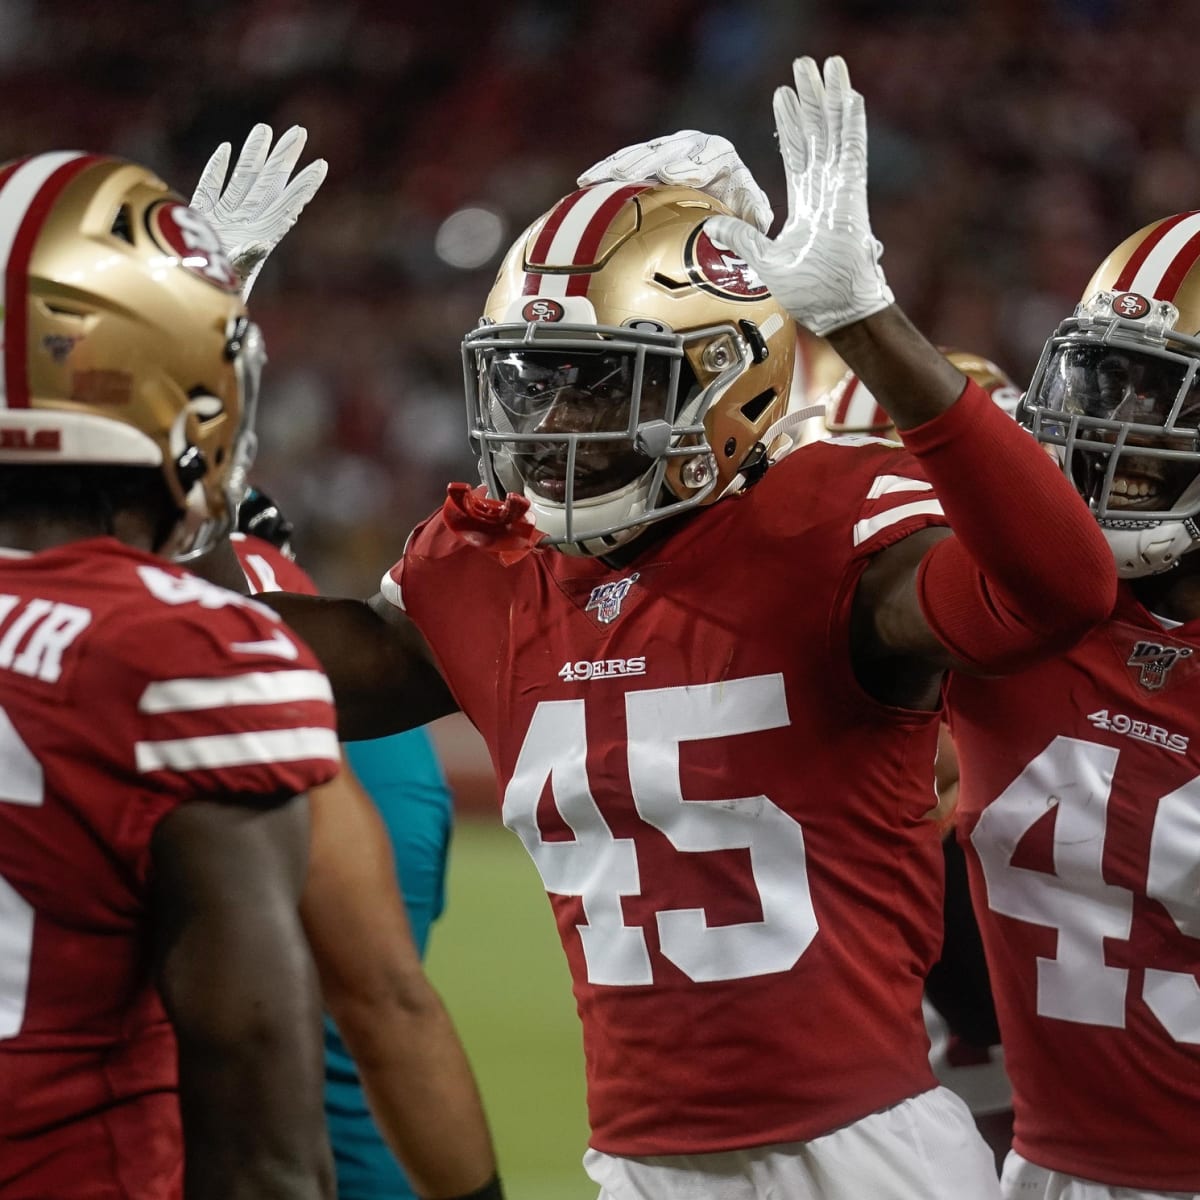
[(391, 591), (884, 485), (238, 749), (869, 526), (256, 687)]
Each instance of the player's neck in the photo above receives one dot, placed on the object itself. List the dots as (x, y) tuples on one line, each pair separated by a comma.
[(37, 533), (1174, 594)]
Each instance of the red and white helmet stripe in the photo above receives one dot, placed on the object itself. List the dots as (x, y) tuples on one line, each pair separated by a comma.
[(28, 189), (571, 236), (1162, 260), (853, 409)]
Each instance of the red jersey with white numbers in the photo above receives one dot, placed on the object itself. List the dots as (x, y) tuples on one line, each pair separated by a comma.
[(1080, 810), (127, 687), (268, 569), (730, 831)]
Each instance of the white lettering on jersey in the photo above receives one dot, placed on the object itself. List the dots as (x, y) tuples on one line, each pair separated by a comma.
[(35, 641), (1074, 778), (278, 645), (23, 783), (264, 574), (604, 668), (191, 589), (1143, 731), (600, 868)]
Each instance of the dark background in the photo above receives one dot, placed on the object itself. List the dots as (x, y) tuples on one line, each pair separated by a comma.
[(1013, 144)]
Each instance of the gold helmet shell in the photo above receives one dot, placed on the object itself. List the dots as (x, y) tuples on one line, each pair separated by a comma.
[(852, 408), (627, 272), (125, 340)]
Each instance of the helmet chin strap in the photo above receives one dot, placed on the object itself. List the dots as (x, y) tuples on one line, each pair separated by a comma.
[(1152, 550)]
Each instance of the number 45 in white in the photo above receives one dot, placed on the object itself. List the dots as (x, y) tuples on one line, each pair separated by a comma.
[(1076, 778), (600, 868), (22, 782)]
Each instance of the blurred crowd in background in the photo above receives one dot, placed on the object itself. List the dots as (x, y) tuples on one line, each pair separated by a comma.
[(1013, 143)]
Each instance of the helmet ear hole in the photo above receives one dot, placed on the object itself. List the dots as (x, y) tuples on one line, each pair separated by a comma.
[(122, 226), (754, 408), (190, 467)]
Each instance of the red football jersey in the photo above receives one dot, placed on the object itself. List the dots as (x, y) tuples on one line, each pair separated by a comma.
[(1079, 806), (748, 921), (268, 569), (127, 687)]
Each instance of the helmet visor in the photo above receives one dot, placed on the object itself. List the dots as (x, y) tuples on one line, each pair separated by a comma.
[(573, 416), (1132, 433)]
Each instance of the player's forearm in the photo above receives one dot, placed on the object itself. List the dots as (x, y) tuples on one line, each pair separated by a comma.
[(1028, 571), (420, 1088), (910, 378), (382, 678)]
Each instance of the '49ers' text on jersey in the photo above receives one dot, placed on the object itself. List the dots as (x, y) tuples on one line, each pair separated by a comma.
[(1079, 808), (127, 687), (730, 831)]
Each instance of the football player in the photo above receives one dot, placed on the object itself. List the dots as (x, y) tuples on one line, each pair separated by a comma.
[(157, 733), (1077, 809), (1078, 799), (403, 778), (412, 1066), (708, 672)]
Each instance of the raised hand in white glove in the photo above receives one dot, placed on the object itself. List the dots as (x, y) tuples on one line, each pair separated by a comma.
[(258, 205), (691, 159), (823, 267)]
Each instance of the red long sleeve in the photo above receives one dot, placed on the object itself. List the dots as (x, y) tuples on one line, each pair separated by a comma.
[(1028, 571)]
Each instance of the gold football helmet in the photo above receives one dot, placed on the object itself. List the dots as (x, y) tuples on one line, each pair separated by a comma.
[(1116, 395), (851, 408), (627, 368), (125, 341)]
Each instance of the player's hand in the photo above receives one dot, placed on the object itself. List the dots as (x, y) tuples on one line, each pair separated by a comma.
[(258, 205), (690, 158), (823, 267)]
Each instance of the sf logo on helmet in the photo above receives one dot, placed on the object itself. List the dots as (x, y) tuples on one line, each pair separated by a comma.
[(190, 238), (1131, 305), (543, 310)]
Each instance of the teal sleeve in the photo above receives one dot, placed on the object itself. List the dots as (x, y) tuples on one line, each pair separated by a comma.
[(403, 777)]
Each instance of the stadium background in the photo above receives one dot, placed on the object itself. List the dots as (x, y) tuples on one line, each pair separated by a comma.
[(1013, 143)]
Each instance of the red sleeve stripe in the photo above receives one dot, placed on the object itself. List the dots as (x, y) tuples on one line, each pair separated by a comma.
[(25, 200), (260, 747), (1165, 255), (258, 687), (570, 237)]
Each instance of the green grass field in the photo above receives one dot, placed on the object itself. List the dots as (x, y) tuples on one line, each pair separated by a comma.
[(496, 959)]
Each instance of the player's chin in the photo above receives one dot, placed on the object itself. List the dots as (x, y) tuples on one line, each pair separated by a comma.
[(589, 487)]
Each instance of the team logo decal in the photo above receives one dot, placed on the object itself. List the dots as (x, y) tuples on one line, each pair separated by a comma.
[(607, 598), (1130, 305), (59, 346), (1154, 662), (31, 439), (718, 270), (543, 310), (190, 238)]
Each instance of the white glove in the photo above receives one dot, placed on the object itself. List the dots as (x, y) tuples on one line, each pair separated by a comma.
[(691, 159), (258, 205), (824, 265)]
